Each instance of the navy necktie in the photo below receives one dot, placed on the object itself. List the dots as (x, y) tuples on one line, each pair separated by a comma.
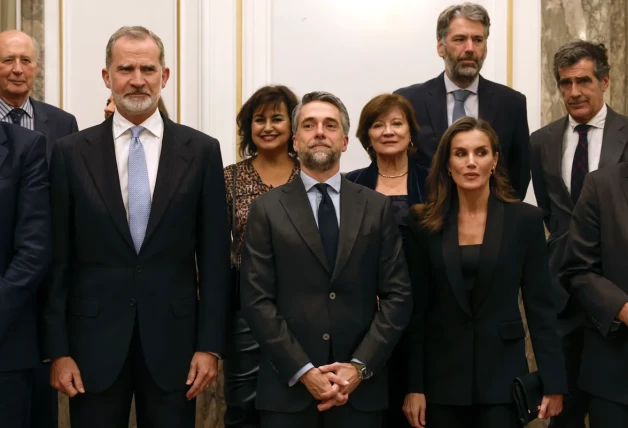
[(580, 166), (460, 96), (328, 225), (16, 115)]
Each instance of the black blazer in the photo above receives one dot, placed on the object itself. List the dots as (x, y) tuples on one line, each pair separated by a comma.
[(53, 122), (25, 241), (417, 176), (554, 199), (501, 106), (463, 351), (100, 287), (300, 311), (596, 274)]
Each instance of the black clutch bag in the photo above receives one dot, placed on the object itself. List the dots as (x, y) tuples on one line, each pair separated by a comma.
[(528, 393)]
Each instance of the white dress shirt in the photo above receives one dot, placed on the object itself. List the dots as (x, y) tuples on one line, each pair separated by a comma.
[(471, 105), (151, 138), (570, 142)]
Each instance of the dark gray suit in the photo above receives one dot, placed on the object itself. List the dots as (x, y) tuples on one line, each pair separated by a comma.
[(302, 312), (554, 199), (596, 274), (53, 122)]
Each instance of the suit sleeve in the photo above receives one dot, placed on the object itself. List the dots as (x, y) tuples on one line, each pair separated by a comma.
[(414, 337), (518, 162), (55, 334), (31, 237), (212, 255), (258, 294), (395, 297), (73, 126), (582, 270), (540, 309), (538, 178)]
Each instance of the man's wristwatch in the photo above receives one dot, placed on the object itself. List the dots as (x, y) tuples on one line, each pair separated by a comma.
[(363, 372)]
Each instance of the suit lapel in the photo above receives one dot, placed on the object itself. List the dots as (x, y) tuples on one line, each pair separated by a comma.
[(487, 108), (451, 256), (174, 160), (554, 155), (298, 208), (624, 182), (489, 252), (3, 149), (100, 160), (352, 208), (614, 139), (41, 125), (436, 106)]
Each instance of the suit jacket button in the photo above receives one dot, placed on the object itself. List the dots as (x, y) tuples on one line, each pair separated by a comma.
[(325, 336), (138, 269), (332, 296), (132, 302)]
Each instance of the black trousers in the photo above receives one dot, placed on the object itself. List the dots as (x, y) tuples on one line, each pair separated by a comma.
[(476, 416), (15, 398), (45, 401), (576, 404), (240, 369), (607, 414), (154, 407), (336, 417), (397, 387)]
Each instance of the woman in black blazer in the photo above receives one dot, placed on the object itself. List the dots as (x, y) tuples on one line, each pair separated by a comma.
[(385, 126), (472, 248)]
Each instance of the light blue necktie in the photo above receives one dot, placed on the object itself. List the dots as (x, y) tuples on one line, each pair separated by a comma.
[(139, 189), (460, 96)]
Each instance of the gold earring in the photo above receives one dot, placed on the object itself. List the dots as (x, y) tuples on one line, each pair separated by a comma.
[(449, 172), (492, 170)]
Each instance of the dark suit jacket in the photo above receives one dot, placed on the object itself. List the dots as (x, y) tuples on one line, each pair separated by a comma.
[(25, 241), (502, 107), (468, 351), (554, 199), (417, 176), (53, 122), (596, 274), (291, 299), (100, 287)]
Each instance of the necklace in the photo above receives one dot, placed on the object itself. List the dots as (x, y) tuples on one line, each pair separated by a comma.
[(392, 176)]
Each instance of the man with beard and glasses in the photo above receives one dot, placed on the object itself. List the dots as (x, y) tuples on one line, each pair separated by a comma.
[(461, 33), (317, 253), (138, 202)]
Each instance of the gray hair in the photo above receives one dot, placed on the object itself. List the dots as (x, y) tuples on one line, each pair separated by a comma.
[(137, 33), (324, 97), (470, 11), (577, 50)]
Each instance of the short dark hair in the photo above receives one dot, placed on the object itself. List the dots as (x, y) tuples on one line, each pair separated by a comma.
[(577, 50), (267, 96), (375, 108), (324, 97)]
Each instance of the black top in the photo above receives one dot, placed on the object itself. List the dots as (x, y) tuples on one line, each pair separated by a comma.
[(401, 209), (469, 262)]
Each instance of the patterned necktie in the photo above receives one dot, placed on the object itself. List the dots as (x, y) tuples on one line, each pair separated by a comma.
[(460, 96), (580, 166), (16, 115), (139, 189), (328, 225)]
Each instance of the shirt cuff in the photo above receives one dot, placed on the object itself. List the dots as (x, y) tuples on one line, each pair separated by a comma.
[(306, 368), (355, 360)]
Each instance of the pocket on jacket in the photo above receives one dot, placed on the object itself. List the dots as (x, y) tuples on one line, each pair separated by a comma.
[(184, 307), (83, 307), (512, 330)]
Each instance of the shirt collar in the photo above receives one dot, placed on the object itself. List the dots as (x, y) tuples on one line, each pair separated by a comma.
[(309, 182), (154, 124), (451, 86), (598, 120), (27, 107)]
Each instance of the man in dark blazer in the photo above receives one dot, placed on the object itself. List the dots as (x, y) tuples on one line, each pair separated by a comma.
[(596, 274), (138, 203), (19, 61), (582, 75), (462, 32), (25, 253), (318, 253)]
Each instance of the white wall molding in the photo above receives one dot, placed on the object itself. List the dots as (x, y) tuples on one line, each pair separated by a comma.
[(256, 45)]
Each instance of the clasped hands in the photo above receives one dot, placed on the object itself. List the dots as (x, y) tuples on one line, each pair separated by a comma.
[(65, 375), (331, 384)]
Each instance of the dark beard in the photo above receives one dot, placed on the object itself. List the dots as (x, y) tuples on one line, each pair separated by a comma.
[(317, 163)]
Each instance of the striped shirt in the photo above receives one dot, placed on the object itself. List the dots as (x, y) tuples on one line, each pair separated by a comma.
[(28, 120)]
